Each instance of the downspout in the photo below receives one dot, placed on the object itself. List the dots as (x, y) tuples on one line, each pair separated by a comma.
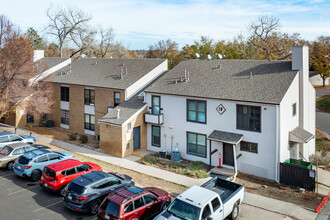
[(235, 163), (277, 146)]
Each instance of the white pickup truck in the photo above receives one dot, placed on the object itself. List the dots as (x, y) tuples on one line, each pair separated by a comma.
[(216, 199)]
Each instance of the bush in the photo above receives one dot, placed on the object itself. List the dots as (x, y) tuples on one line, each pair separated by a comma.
[(323, 158), (83, 139), (72, 136)]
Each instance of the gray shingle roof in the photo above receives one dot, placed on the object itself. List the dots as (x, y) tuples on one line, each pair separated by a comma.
[(300, 135), (269, 83), (226, 137), (127, 109), (105, 72), (49, 62)]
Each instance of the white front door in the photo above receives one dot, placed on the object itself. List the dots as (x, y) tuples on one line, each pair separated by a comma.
[(216, 155)]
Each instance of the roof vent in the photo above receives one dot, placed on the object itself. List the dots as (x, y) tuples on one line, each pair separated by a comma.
[(63, 73), (251, 75), (125, 70), (95, 63), (118, 113)]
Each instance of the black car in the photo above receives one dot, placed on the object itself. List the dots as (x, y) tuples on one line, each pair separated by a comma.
[(85, 193)]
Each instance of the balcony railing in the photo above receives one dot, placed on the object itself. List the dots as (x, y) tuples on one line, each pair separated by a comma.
[(154, 119)]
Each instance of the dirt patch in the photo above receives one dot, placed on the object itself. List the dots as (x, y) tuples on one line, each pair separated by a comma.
[(277, 191), (140, 179)]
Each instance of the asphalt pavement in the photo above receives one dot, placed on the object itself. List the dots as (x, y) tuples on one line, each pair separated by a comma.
[(322, 118)]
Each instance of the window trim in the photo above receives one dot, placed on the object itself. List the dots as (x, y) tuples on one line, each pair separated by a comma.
[(196, 144), (249, 151), (68, 118), (160, 136), (187, 110), (249, 106), (89, 97), (89, 128), (152, 104), (114, 99)]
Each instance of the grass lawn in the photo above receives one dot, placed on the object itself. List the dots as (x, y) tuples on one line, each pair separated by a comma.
[(321, 142), (324, 103)]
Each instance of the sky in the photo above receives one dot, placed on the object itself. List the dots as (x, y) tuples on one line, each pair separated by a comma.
[(139, 23)]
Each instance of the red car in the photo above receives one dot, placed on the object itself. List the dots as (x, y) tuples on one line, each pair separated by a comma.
[(134, 203), (57, 176)]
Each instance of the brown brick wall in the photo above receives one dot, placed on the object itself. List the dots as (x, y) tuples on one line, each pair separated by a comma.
[(56, 114), (77, 109), (111, 139)]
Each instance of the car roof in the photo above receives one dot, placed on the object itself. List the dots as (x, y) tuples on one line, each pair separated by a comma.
[(126, 194), (5, 133), (16, 145), (64, 164), (35, 153), (90, 178), (197, 196)]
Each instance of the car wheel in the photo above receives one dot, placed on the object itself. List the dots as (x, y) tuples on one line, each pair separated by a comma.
[(61, 192), (10, 165), (35, 176), (94, 207), (164, 206), (235, 212)]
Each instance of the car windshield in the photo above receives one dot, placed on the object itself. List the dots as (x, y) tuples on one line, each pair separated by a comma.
[(6, 150), (49, 172), (23, 160), (111, 208), (183, 210), (72, 187)]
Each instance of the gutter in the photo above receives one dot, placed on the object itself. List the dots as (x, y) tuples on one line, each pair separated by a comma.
[(277, 144)]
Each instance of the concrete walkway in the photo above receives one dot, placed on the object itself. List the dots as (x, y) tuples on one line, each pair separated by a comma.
[(262, 202)]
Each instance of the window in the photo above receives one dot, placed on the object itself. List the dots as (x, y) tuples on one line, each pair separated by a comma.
[(206, 212), (129, 126), (196, 111), (90, 122), (82, 168), (15, 138), (155, 136), (248, 118), (127, 146), (53, 156), (19, 151), (43, 158), (64, 117), (30, 148), (103, 184), (113, 182), (196, 144), (294, 109), (70, 171), (215, 204), (64, 93), (116, 99), (155, 105), (138, 203), (250, 147), (89, 97), (149, 199), (128, 207)]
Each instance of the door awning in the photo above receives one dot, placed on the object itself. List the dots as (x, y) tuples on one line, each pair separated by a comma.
[(225, 137), (300, 135)]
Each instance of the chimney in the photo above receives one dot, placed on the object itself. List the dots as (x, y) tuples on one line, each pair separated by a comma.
[(37, 55), (118, 113), (300, 62)]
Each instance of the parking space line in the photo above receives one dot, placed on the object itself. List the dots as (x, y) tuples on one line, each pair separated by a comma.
[(47, 206), (12, 193)]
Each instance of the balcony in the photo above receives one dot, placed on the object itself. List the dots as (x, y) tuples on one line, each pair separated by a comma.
[(154, 119)]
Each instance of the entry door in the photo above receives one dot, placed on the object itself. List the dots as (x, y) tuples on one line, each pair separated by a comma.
[(228, 154), (136, 138)]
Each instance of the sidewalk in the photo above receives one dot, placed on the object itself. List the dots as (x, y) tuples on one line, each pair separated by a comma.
[(262, 202)]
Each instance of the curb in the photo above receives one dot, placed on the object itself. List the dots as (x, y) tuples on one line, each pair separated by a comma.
[(317, 210)]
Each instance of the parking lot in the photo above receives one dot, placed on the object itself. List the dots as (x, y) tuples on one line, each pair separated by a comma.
[(23, 199)]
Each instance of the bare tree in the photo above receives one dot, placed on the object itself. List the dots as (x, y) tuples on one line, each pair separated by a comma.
[(16, 68), (65, 23), (261, 31), (106, 40), (83, 38)]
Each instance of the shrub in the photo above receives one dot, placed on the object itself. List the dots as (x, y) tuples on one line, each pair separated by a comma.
[(83, 139), (72, 136)]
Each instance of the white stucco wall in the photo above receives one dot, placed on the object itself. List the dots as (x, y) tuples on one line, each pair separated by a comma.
[(287, 121), (176, 125), (318, 81)]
